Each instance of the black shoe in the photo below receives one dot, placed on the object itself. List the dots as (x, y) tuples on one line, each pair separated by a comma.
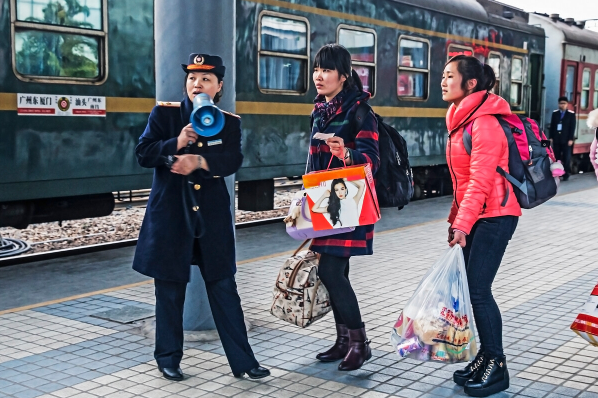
[(175, 374), (461, 376), (492, 378), (359, 350), (258, 372)]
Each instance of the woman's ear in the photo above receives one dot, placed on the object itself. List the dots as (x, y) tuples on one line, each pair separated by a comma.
[(471, 84)]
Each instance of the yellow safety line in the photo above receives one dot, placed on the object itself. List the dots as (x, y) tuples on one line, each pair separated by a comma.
[(112, 289), (62, 300), (387, 24)]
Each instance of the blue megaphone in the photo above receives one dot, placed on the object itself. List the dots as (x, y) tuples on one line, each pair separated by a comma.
[(207, 120)]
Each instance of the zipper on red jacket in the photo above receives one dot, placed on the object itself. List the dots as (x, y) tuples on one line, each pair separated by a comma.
[(453, 171)]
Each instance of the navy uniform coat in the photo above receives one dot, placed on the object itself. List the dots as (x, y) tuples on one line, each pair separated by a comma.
[(568, 127), (166, 241)]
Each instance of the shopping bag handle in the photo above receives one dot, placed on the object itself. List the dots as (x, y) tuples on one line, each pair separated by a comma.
[(301, 247), (330, 162)]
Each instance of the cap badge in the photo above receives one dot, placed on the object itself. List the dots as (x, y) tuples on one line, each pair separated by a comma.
[(199, 60)]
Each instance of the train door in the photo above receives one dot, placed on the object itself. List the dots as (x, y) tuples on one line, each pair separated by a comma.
[(536, 83), (569, 83)]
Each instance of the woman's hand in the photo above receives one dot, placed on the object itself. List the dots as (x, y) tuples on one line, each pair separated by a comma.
[(185, 164), (187, 134), (337, 147), (458, 238)]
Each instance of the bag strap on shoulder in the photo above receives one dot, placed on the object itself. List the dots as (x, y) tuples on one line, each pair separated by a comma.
[(360, 114)]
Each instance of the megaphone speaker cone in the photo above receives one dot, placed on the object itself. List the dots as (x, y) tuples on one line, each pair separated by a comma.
[(207, 120)]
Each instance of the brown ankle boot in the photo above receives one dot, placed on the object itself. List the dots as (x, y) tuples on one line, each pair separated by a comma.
[(340, 348), (359, 350)]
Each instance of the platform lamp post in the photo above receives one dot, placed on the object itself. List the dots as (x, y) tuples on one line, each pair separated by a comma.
[(182, 27)]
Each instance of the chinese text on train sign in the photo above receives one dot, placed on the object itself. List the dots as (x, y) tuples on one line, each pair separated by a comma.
[(60, 105)]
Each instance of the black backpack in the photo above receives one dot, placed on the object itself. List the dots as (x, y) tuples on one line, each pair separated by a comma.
[(394, 179)]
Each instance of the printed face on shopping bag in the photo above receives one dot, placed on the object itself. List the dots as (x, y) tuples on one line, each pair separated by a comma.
[(339, 201)]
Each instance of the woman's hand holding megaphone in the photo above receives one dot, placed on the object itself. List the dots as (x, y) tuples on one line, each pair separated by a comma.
[(187, 135)]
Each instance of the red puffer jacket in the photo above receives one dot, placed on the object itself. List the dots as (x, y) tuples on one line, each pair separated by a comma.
[(478, 188)]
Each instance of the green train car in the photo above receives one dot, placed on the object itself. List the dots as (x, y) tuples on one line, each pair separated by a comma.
[(399, 48), (76, 87), (77, 83)]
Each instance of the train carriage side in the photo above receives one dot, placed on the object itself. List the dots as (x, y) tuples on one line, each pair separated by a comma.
[(75, 92), (399, 48), (573, 72)]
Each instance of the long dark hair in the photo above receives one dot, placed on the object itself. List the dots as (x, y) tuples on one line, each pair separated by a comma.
[(471, 68), (334, 202), (337, 57)]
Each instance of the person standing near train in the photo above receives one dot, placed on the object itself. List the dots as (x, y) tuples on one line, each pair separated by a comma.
[(188, 221), (339, 94), (562, 134), (480, 222)]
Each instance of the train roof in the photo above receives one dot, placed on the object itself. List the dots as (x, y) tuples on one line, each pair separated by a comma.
[(574, 34), (485, 11)]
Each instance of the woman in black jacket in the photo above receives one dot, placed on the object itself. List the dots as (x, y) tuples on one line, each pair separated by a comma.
[(188, 221)]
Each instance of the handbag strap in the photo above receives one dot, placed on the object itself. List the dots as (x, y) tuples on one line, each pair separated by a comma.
[(301, 247)]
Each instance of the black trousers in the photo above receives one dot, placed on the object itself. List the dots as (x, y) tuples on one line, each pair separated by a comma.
[(334, 273), (562, 152), (228, 317), (486, 245)]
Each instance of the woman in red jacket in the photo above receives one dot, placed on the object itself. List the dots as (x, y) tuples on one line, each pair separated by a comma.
[(479, 221)]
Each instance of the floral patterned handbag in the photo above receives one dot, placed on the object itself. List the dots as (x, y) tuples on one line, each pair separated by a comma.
[(299, 296)]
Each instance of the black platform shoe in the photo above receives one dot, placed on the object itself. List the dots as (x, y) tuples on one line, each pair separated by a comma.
[(493, 377), (340, 348), (461, 376), (175, 374), (258, 372)]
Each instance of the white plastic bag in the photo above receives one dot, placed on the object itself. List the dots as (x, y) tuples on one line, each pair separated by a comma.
[(437, 321)]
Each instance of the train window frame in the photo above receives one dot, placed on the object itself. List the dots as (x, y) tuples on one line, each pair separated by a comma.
[(587, 89), (519, 82), (458, 46), (100, 34), (595, 103), (363, 63), (413, 69), (261, 52), (498, 80)]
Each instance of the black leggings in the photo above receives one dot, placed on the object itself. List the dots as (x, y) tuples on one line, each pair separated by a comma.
[(486, 245), (334, 273)]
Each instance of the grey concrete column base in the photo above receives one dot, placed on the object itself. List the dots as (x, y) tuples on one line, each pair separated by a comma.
[(147, 328)]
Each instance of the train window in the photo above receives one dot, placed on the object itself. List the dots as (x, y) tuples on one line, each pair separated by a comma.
[(456, 49), (585, 89), (494, 60), (413, 70), (569, 82), (84, 14), (361, 43), (60, 41), (596, 90), (516, 81), (283, 54)]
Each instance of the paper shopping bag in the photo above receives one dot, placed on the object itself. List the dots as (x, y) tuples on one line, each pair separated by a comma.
[(340, 198), (586, 323)]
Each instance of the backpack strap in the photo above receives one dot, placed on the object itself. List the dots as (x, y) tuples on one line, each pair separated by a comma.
[(467, 143), (362, 111)]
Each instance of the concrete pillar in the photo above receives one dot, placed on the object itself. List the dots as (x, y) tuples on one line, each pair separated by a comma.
[(182, 27)]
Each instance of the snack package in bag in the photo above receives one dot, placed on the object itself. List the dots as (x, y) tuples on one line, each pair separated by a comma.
[(437, 321)]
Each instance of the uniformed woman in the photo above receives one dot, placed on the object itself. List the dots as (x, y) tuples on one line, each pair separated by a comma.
[(188, 221)]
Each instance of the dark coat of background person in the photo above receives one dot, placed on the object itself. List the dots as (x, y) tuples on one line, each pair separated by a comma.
[(166, 242), (568, 131)]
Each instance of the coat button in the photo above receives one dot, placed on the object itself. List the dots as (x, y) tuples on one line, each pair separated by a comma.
[(195, 208), (196, 187), (200, 144)]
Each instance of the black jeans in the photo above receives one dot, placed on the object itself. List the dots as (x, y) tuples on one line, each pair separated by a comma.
[(486, 245), (334, 273), (562, 152)]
